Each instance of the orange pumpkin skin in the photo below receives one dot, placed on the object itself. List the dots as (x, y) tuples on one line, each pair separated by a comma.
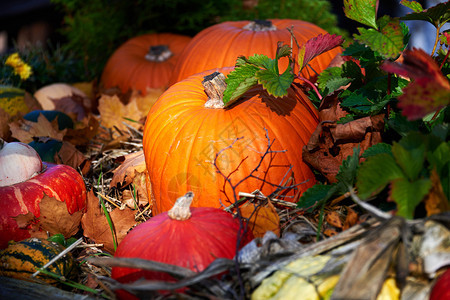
[(220, 45), (182, 137), (128, 68)]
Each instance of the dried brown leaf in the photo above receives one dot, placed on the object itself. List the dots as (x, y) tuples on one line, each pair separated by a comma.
[(333, 218), (351, 219), (69, 155), (436, 202), (133, 163), (95, 225), (114, 113), (24, 130), (55, 218), (261, 218)]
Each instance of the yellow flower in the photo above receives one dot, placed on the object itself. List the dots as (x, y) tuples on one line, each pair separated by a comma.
[(20, 67)]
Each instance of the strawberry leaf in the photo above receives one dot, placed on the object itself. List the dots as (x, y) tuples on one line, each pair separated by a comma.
[(315, 195), (277, 85), (375, 173), (364, 12), (408, 195), (388, 41), (316, 46), (410, 158), (377, 149), (240, 80), (437, 15), (414, 5)]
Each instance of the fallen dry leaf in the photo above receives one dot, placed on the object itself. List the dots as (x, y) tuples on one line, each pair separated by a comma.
[(69, 155), (146, 102), (95, 225), (114, 113), (137, 190), (436, 202), (24, 130), (351, 219), (261, 218), (334, 219), (133, 163), (331, 143), (55, 218), (75, 106), (83, 132)]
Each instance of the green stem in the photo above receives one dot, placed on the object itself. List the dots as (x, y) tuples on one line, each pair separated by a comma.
[(108, 218)]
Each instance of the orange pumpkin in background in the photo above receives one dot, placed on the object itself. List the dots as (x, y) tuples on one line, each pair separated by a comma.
[(219, 45), (144, 62), (182, 137)]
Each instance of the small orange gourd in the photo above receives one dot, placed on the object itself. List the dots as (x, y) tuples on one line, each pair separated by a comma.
[(144, 62), (219, 45), (182, 137)]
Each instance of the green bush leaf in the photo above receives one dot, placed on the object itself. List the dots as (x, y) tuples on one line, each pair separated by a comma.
[(240, 80), (436, 15), (315, 195), (410, 160), (364, 12), (375, 173), (388, 41), (408, 195), (377, 149), (277, 85), (348, 169)]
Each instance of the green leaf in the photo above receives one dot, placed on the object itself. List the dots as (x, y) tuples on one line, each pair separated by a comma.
[(348, 169), (439, 157), (331, 79), (58, 238), (277, 85), (362, 11), (408, 195), (414, 5), (238, 81), (388, 41), (313, 196), (375, 173), (410, 160), (377, 149), (437, 15)]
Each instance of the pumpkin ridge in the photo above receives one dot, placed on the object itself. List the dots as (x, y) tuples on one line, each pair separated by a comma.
[(186, 122)]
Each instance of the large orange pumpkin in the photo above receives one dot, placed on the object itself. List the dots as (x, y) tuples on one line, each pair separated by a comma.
[(182, 137), (144, 62), (219, 45)]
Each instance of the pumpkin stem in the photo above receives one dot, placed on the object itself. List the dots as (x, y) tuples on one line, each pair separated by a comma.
[(158, 53), (260, 25), (214, 85), (181, 209)]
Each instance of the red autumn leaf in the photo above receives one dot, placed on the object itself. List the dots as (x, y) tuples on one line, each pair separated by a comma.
[(316, 46), (428, 91)]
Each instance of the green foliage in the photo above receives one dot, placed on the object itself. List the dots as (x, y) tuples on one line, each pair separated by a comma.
[(412, 149), (405, 169)]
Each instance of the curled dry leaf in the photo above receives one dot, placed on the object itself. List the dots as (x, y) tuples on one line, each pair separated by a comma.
[(69, 155), (95, 225), (262, 218), (75, 106), (133, 163), (24, 130), (132, 172), (331, 143)]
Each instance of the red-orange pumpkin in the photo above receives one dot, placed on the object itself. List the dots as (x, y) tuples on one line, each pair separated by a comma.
[(144, 62), (182, 137), (187, 237), (220, 45)]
